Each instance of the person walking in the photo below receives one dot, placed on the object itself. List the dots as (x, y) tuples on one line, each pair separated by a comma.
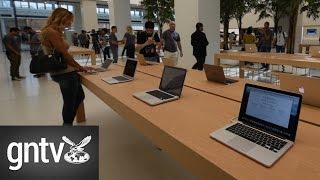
[(114, 44), (129, 39), (12, 43), (35, 45), (68, 79), (148, 43), (84, 39), (75, 39), (199, 42), (266, 38), (172, 42), (105, 45), (280, 41)]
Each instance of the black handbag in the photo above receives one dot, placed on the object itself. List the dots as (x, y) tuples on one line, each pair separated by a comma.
[(42, 63)]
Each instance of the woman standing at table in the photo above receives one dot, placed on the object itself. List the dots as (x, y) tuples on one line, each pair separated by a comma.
[(68, 79)]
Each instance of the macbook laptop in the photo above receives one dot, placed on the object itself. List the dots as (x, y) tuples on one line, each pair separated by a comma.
[(170, 87), (314, 51), (251, 48), (143, 62), (105, 65), (267, 124), (169, 62), (216, 74), (308, 87), (128, 73)]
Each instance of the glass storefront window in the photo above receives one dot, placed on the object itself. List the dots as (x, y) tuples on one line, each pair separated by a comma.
[(132, 13), (33, 5), (41, 6), (64, 6), (48, 6), (24, 4), (136, 13), (70, 8), (6, 3), (17, 4), (107, 11)]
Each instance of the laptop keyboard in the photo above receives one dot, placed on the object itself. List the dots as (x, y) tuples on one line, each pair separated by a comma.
[(160, 95), (120, 78), (258, 137)]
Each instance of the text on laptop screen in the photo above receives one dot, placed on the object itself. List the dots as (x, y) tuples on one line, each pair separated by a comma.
[(172, 80), (271, 107), (130, 68)]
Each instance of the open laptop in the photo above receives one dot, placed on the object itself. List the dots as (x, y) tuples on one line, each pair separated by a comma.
[(267, 124), (170, 89), (308, 87), (142, 61), (105, 65), (314, 51), (216, 74), (169, 62), (128, 73), (251, 48)]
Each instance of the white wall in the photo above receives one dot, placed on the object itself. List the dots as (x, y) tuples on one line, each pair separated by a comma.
[(89, 15)]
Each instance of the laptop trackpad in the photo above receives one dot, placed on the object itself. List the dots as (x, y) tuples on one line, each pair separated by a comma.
[(241, 144)]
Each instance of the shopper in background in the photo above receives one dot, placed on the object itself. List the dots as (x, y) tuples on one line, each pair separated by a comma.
[(105, 45), (148, 43), (129, 40), (12, 43), (199, 42), (114, 44), (35, 45), (95, 41), (266, 38), (75, 39), (172, 42), (84, 39), (248, 37), (280, 41), (69, 80)]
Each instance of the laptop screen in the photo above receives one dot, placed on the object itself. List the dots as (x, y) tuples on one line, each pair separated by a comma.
[(130, 68), (273, 111), (172, 80)]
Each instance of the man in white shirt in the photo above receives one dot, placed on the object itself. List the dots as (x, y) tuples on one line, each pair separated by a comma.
[(280, 40)]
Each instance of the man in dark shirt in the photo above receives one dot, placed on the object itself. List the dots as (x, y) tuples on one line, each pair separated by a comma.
[(148, 42), (199, 42), (265, 40), (12, 43), (114, 43)]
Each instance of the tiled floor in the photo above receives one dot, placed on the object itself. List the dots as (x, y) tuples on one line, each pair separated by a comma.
[(124, 153)]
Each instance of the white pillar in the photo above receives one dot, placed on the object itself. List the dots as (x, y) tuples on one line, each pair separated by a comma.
[(188, 13), (89, 15), (120, 15), (298, 38)]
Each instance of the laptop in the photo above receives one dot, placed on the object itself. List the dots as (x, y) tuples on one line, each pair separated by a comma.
[(169, 62), (216, 74), (250, 48), (314, 51), (105, 65), (143, 62), (128, 73), (267, 124), (170, 88), (308, 87)]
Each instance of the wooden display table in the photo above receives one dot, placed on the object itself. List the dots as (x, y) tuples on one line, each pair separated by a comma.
[(74, 51), (181, 128), (307, 46), (295, 60)]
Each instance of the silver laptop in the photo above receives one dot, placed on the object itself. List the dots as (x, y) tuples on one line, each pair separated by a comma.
[(170, 89), (128, 73), (267, 124), (216, 74), (105, 65)]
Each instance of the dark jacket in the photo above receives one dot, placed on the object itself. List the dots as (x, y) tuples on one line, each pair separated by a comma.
[(199, 42)]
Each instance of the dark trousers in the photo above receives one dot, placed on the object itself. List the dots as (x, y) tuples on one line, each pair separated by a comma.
[(265, 48), (106, 52), (280, 49), (199, 64), (96, 48), (72, 94), (114, 51), (130, 51), (15, 61), (124, 50)]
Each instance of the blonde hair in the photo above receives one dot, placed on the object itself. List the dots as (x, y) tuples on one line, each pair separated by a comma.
[(58, 18), (129, 29)]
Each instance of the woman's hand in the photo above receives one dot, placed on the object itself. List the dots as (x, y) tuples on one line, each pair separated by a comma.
[(86, 69)]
